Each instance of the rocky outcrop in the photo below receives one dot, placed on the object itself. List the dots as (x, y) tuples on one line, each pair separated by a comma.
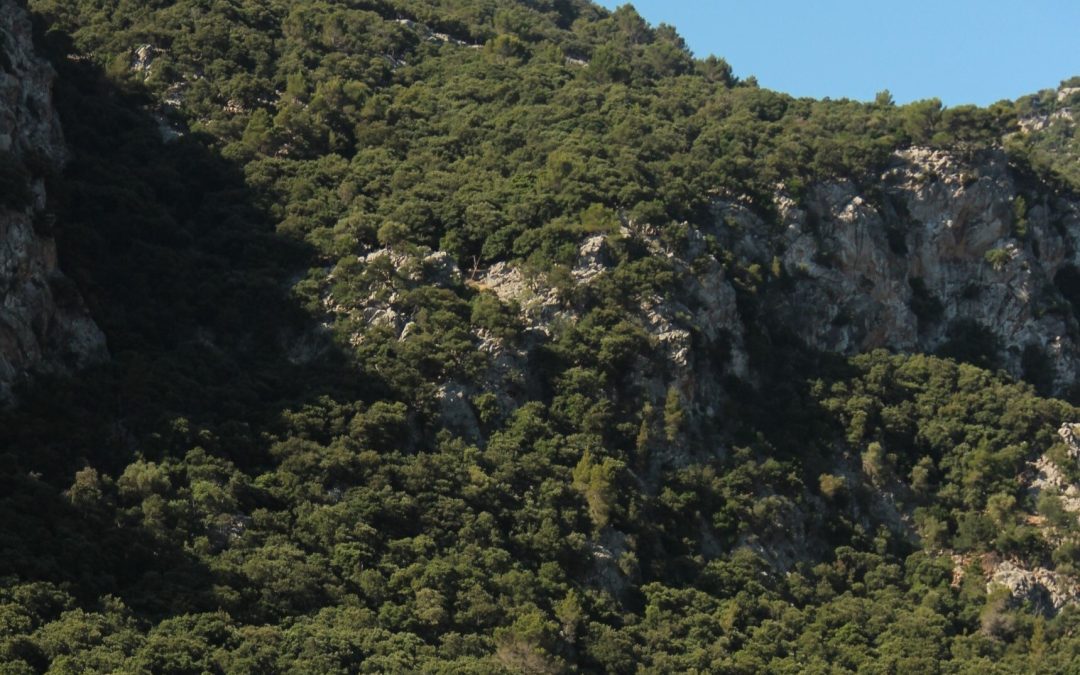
[(1046, 590), (939, 251), (941, 248), (1050, 474), (1049, 109), (44, 325)]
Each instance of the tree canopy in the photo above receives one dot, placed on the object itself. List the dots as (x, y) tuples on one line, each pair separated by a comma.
[(301, 456)]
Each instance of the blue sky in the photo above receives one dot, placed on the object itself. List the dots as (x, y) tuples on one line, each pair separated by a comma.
[(961, 51)]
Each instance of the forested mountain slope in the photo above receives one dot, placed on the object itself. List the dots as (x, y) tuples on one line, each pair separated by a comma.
[(506, 336)]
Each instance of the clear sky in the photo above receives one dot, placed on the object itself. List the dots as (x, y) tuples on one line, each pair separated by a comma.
[(961, 51)]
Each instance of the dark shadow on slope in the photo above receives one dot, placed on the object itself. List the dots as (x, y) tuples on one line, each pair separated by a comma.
[(185, 274), (785, 414)]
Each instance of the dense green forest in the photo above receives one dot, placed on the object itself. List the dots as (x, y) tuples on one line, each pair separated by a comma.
[(263, 477)]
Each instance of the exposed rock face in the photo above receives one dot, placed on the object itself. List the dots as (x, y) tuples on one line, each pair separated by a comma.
[(44, 325), (1048, 475), (947, 248), (1062, 112), (696, 329), (27, 123), (1045, 589), (949, 244), (939, 248), (938, 243)]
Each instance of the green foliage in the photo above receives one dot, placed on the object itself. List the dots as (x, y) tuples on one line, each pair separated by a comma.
[(596, 480), (263, 478), (998, 258), (921, 120), (1020, 221), (673, 415), (832, 487), (1050, 149)]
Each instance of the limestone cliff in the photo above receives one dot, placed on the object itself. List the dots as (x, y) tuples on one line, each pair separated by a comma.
[(44, 325), (940, 251), (940, 248)]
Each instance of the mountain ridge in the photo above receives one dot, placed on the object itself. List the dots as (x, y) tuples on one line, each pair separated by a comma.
[(567, 353)]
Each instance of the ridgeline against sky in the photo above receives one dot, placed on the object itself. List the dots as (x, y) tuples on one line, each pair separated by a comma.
[(504, 336), (961, 51)]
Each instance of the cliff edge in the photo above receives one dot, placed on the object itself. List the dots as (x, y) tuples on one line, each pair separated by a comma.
[(44, 324)]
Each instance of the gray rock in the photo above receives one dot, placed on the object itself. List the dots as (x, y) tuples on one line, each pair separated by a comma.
[(142, 58), (1045, 589), (457, 414), (944, 225), (44, 325)]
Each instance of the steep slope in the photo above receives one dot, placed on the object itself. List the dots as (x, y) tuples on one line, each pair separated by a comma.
[(44, 325), (1047, 131), (506, 336), (940, 250)]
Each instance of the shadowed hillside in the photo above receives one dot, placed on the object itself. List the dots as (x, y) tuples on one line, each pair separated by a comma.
[(507, 336)]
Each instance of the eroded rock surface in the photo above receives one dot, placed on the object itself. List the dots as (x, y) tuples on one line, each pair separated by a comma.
[(946, 245), (44, 325)]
